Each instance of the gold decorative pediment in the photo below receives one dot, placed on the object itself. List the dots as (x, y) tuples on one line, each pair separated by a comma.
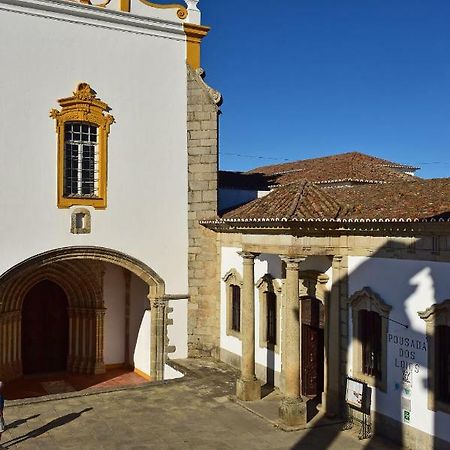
[(84, 106), (181, 13)]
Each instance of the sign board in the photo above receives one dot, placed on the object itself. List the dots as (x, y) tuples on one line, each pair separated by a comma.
[(357, 394)]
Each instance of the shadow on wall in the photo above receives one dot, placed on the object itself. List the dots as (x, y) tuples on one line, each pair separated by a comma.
[(409, 286)]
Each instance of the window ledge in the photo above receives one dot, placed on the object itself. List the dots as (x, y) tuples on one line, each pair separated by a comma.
[(234, 333)]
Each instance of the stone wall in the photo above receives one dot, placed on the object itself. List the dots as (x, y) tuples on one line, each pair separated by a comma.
[(202, 126)]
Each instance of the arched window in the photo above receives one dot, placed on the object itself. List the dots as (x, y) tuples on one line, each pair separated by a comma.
[(83, 128), (269, 312), (370, 327), (233, 281), (437, 319)]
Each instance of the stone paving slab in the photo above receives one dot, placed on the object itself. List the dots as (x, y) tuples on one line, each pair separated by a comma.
[(189, 413)]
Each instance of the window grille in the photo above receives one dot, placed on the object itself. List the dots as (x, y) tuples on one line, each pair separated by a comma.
[(235, 308), (81, 168), (370, 336), (271, 299)]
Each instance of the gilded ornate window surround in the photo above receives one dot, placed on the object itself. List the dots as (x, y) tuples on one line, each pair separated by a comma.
[(264, 285), (366, 299), (232, 277), (83, 106), (434, 316)]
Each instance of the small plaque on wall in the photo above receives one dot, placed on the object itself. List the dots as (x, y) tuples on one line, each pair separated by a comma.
[(357, 394)]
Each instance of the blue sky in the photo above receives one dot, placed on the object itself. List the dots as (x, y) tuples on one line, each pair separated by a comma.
[(309, 78)]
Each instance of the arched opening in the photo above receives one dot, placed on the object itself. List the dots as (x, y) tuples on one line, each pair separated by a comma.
[(61, 310), (45, 329), (313, 320)]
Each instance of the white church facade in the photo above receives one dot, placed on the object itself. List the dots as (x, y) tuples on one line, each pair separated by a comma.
[(95, 183)]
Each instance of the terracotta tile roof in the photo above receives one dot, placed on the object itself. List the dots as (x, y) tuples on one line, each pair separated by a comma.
[(350, 167), (416, 200), (293, 202)]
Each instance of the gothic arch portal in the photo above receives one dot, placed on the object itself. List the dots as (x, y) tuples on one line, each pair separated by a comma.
[(79, 272)]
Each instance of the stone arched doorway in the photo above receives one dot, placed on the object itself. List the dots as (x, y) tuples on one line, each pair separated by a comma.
[(78, 272), (45, 329)]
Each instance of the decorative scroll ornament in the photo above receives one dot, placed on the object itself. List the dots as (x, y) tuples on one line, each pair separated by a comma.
[(84, 105), (215, 95), (84, 92), (182, 12)]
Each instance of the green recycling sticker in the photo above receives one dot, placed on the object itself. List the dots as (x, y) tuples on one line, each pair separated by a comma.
[(406, 415)]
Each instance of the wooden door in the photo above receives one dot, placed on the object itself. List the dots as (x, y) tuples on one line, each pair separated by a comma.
[(312, 347), (44, 329)]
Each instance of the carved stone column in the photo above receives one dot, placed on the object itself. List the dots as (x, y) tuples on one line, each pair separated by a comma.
[(2, 346), (158, 338), (292, 408), (338, 297), (127, 276), (17, 343), (153, 338), (77, 344), (247, 386), (99, 338)]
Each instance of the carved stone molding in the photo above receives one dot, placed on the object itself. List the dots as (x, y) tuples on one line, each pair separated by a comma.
[(267, 284), (435, 316), (370, 301), (366, 299), (215, 95), (292, 262)]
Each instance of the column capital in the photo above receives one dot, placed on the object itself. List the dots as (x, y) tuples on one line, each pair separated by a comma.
[(157, 303), (248, 256), (292, 262)]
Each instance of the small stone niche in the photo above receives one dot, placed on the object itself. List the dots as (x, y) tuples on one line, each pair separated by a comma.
[(80, 221)]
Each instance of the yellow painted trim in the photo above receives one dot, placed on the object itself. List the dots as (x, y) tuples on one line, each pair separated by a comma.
[(125, 5), (143, 375), (194, 34), (181, 13), (83, 106)]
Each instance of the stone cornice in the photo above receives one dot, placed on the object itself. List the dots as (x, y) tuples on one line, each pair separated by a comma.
[(94, 16), (317, 228)]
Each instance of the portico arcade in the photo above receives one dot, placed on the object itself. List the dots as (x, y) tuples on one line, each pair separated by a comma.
[(303, 292)]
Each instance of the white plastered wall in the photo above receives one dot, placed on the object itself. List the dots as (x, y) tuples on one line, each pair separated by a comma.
[(143, 79), (140, 323), (409, 287)]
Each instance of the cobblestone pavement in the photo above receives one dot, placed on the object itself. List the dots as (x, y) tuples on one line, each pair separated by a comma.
[(190, 413)]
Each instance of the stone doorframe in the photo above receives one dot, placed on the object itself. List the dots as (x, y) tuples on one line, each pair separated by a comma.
[(79, 272), (313, 284)]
